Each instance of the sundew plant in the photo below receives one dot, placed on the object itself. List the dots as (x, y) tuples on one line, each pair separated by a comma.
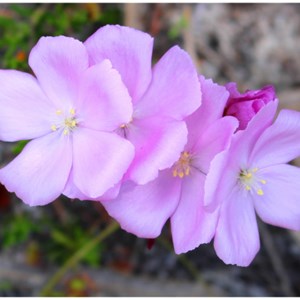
[(151, 142)]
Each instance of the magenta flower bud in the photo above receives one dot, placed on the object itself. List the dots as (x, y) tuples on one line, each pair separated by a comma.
[(245, 106)]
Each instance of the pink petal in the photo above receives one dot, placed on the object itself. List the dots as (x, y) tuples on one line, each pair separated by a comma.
[(237, 240), (244, 142), (25, 111), (215, 139), (174, 90), (130, 52), (144, 209), (105, 102), (280, 143), (58, 63), (280, 204), (72, 192), (214, 98), (211, 155), (38, 175), (220, 180), (226, 165), (100, 161), (191, 225), (158, 143)]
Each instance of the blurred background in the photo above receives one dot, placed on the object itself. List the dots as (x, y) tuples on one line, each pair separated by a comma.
[(251, 44)]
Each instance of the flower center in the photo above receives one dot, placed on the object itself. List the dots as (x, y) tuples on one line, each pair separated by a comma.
[(126, 125), (183, 166), (251, 180), (66, 121), (123, 129)]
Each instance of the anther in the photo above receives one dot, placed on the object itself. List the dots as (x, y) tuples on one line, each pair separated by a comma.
[(181, 174), (182, 166), (185, 154), (260, 192), (248, 175), (54, 128)]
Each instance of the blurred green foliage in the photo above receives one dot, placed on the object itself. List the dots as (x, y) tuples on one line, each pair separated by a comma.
[(176, 30), (17, 230), (60, 241), (21, 25), (67, 239)]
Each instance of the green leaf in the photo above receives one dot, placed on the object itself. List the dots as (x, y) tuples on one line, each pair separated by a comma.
[(17, 231), (62, 239)]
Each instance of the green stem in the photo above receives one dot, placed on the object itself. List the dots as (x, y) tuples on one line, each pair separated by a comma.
[(77, 256)]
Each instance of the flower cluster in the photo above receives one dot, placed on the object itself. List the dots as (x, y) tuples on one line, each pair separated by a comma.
[(152, 144)]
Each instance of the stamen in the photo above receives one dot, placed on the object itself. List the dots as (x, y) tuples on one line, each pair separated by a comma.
[(66, 123), (260, 192), (182, 166), (251, 180), (125, 125), (181, 174), (185, 154), (248, 175), (70, 122)]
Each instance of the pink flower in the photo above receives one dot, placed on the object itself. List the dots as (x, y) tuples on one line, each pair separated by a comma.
[(245, 106), (70, 111), (162, 97), (253, 175), (177, 192)]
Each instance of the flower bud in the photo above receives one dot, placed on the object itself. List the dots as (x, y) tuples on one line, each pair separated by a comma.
[(245, 106)]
